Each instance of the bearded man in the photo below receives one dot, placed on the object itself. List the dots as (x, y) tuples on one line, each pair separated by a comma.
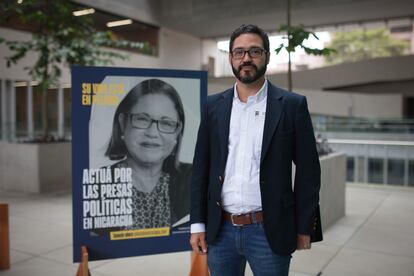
[(243, 207)]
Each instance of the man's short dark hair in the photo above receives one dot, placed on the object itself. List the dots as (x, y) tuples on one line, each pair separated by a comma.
[(250, 29)]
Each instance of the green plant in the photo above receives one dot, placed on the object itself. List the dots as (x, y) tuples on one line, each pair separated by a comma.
[(60, 39), (360, 44), (296, 36)]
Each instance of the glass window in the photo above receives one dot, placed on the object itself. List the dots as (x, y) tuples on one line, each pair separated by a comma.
[(350, 168), (395, 171), (21, 111), (52, 97), (375, 170), (67, 111), (37, 110), (411, 173), (51, 109)]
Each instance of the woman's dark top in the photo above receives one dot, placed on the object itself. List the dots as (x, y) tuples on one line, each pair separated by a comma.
[(166, 204)]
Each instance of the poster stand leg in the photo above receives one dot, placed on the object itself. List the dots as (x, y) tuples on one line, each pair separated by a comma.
[(83, 269), (4, 237), (198, 265)]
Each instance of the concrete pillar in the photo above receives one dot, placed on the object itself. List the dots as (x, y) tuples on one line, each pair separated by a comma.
[(60, 110), (356, 165), (4, 113), (12, 110), (406, 167), (385, 167), (412, 37), (29, 108), (366, 164)]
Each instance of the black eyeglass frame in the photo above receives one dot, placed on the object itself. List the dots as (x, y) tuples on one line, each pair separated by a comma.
[(178, 124), (249, 52)]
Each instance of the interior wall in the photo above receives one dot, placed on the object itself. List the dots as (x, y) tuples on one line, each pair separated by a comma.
[(344, 104), (350, 74), (334, 103)]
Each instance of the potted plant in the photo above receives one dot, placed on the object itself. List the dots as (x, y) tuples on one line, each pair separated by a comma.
[(59, 39), (296, 36)]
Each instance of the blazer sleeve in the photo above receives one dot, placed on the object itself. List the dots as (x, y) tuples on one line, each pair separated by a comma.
[(201, 168), (308, 171)]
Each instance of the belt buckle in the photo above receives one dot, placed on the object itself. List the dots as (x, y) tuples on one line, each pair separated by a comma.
[(232, 219)]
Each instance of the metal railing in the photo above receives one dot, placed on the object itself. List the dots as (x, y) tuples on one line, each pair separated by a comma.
[(378, 161), (364, 125), (20, 96)]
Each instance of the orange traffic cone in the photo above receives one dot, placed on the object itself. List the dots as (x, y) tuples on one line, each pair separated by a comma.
[(199, 265), (83, 269)]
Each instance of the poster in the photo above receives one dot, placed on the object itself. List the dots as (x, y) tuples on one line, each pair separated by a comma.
[(133, 140)]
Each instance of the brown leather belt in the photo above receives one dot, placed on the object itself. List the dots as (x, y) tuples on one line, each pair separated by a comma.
[(243, 219)]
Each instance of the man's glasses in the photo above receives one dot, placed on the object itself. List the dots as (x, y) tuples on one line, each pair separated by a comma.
[(254, 52), (143, 121)]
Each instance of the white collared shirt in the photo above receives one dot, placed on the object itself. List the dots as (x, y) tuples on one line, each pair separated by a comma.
[(241, 187)]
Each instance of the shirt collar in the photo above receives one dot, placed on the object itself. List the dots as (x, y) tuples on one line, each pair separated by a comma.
[(259, 96)]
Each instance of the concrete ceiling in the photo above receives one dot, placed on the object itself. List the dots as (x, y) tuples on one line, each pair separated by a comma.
[(217, 18)]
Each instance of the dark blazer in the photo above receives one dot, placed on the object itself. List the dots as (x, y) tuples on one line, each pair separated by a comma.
[(288, 136)]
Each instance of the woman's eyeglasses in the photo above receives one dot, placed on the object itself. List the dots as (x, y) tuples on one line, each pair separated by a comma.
[(143, 121)]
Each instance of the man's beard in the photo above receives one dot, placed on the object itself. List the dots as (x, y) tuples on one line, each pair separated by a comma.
[(250, 78)]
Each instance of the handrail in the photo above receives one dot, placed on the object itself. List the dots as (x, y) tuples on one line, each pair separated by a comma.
[(371, 142)]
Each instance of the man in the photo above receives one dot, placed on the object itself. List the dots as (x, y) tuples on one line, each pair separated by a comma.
[(242, 203)]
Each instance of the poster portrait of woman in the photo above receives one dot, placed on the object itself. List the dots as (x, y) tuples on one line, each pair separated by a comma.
[(151, 132), (147, 132), (133, 138)]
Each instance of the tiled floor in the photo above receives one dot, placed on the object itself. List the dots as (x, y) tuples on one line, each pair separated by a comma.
[(376, 237)]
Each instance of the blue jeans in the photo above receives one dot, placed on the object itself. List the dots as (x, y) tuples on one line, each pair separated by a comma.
[(235, 244)]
